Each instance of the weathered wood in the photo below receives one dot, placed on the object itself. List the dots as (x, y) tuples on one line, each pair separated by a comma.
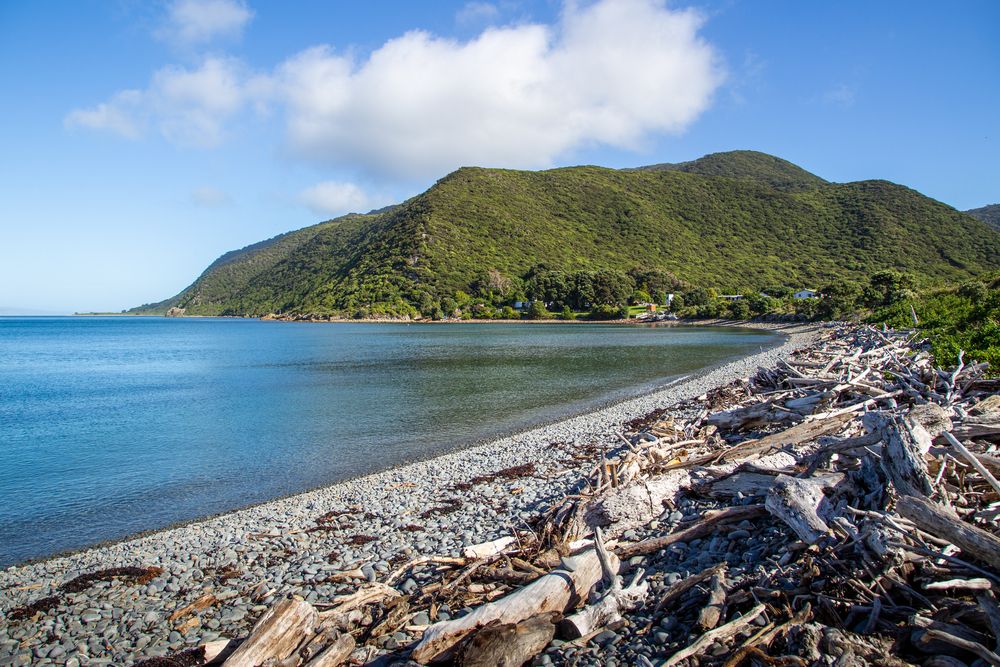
[(336, 653), (277, 634), (791, 437), (202, 602), (937, 521), (553, 592), (705, 526), (607, 610), (711, 613), (488, 549), (797, 502), (932, 417), (508, 644), (904, 446), (752, 415), (631, 506), (973, 647), (730, 629), (975, 462)]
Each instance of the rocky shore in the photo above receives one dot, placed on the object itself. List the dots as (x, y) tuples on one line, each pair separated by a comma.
[(241, 563)]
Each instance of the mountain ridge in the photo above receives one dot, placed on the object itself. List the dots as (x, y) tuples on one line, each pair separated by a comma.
[(731, 221), (990, 214)]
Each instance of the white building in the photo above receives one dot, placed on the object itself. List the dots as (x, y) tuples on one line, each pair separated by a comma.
[(806, 294)]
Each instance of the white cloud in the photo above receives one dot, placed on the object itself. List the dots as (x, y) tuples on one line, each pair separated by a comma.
[(193, 22), (614, 72), (119, 115), (337, 198), (477, 14), (209, 197), (610, 73), (188, 106)]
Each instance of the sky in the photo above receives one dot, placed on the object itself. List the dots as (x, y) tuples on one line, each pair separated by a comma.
[(140, 140)]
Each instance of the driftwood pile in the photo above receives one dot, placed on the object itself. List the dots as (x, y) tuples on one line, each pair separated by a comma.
[(872, 473)]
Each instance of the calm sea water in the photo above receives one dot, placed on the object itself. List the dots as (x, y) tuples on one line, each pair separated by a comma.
[(111, 426)]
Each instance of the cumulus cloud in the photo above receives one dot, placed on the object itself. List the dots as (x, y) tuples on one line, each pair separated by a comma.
[(608, 73), (209, 197), (614, 72), (336, 198), (119, 115), (189, 106), (194, 22)]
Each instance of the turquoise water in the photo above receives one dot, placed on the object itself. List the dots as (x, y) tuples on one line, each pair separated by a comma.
[(111, 426)]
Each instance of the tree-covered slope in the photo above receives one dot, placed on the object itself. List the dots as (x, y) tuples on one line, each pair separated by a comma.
[(723, 224), (989, 214), (747, 165)]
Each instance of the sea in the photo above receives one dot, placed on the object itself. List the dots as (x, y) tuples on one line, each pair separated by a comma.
[(110, 426)]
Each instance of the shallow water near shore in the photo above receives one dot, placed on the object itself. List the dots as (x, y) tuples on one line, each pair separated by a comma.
[(111, 426)]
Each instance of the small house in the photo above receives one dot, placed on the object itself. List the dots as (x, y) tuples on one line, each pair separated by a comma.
[(806, 294), (731, 297)]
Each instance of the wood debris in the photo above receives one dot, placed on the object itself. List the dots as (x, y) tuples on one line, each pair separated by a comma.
[(872, 472)]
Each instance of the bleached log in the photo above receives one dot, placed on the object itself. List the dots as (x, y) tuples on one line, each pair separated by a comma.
[(277, 634), (792, 437), (944, 524), (758, 413), (607, 610), (488, 549), (905, 444), (217, 650), (628, 507), (723, 632), (508, 644), (552, 592), (336, 653), (797, 502), (977, 584)]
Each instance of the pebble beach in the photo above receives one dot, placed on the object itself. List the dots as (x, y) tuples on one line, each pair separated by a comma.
[(250, 558)]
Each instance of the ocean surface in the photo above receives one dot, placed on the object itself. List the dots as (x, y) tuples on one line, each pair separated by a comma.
[(112, 426)]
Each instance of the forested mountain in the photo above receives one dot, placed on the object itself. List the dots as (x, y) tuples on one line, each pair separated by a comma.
[(733, 221), (989, 214)]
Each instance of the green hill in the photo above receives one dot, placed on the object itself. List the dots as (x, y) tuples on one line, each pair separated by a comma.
[(733, 221), (747, 165), (989, 214)]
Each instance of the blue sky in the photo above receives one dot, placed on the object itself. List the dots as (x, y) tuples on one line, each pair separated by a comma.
[(141, 140)]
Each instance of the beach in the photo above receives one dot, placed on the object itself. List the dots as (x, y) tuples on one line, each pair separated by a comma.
[(253, 557)]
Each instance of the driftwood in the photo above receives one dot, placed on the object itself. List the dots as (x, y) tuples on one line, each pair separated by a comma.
[(336, 653), (869, 528), (939, 522), (553, 592), (710, 614), (797, 502), (277, 634), (508, 644)]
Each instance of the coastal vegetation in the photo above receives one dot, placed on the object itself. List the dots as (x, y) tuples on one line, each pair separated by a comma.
[(590, 241)]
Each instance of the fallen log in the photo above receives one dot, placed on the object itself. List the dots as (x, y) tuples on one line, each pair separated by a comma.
[(905, 444), (606, 611), (797, 502), (723, 632), (277, 634), (555, 591), (941, 523), (508, 644), (711, 613), (335, 654), (705, 526), (752, 415), (628, 507)]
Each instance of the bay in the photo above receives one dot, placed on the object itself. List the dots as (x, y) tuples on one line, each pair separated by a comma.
[(112, 426)]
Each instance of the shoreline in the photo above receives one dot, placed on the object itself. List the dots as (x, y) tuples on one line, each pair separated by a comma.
[(293, 557)]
